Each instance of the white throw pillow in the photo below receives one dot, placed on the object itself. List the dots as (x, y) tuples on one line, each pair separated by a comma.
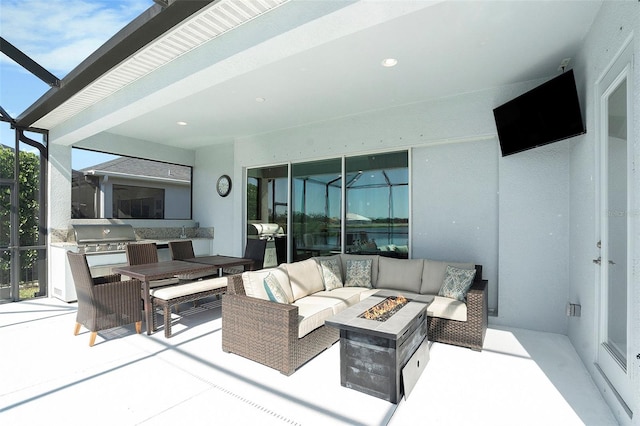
[(274, 289), (254, 282)]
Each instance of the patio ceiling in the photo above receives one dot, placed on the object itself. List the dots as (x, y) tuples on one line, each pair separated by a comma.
[(310, 61)]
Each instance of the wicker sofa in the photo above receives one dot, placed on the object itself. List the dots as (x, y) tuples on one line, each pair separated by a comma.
[(276, 316)]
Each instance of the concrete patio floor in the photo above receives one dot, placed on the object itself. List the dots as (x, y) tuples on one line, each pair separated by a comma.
[(50, 376)]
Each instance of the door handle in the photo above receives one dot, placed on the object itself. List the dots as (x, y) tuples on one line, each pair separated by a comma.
[(598, 261)]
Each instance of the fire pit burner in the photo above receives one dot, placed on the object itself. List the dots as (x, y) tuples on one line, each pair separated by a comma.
[(384, 310)]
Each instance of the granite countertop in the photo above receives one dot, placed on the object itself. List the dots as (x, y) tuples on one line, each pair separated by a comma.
[(67, 244)]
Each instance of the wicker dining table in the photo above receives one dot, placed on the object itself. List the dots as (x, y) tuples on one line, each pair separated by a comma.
[(155, 271)]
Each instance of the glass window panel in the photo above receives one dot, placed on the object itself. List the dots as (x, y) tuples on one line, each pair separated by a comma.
[(377, 199), (138, 202), (617, 223), (111, 186), (267, 193), (316, 209)]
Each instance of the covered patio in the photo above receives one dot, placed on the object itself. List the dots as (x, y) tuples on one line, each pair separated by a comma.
[(281, 86), (521, 377)]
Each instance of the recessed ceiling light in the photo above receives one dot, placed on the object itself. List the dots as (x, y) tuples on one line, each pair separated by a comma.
[(389, 62), (181, 123), (260, 99)]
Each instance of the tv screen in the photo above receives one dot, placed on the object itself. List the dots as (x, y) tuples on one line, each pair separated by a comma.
[(546, 114)]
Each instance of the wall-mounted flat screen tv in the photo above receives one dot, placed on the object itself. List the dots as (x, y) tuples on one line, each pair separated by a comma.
[(546, 114)]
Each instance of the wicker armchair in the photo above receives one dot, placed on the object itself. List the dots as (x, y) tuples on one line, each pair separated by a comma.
[(103, 302), (142, 253), (267, 332), (469, 333)]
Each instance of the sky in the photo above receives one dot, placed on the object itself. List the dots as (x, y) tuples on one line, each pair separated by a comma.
[(58, 35)]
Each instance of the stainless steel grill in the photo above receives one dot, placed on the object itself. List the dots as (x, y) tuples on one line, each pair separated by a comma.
[(103, 238), (265, 231)]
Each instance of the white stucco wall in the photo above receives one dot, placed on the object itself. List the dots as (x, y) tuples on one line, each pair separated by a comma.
[(616, 22), (534, 238), (212, 210), (455, 210)]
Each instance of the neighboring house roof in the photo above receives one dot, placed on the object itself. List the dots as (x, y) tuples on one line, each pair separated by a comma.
[(140, 167)]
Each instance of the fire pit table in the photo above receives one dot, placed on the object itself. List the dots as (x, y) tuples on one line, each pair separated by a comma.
[(383, 357)]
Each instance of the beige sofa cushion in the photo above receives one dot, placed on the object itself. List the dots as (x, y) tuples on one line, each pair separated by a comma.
[(343, 296), (312, 312), (447, 308), (433, 274), (253, 282), (368, 292), (305, 278), (374, 265), (400, 274)]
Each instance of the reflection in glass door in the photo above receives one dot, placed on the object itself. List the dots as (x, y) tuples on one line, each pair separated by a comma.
[(316, 208), (615, 309)]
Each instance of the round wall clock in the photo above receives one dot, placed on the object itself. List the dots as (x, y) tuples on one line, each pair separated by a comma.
[(224, 185)]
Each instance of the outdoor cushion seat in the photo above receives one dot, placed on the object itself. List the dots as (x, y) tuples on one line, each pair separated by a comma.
[(169, 296), (347, 296), (335, 304), (447, 308), (174, 291), (312, 316)]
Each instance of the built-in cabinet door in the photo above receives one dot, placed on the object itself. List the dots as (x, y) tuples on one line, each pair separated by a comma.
[(614, 353)]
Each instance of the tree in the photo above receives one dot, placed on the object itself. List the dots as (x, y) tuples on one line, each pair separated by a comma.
[(28, 206)]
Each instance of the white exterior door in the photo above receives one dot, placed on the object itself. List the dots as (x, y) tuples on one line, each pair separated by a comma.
[(614, 356)]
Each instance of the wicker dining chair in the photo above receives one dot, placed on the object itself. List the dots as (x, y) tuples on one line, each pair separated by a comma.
[(141, 253), (103, 302), (255, 250), (181, 250)]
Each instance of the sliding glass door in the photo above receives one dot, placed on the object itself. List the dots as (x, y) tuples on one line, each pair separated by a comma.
[(320, 213), (316, 208), (377, 199)]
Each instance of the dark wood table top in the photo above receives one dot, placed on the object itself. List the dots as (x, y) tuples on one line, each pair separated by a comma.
[(221, 261), (159, 270)]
